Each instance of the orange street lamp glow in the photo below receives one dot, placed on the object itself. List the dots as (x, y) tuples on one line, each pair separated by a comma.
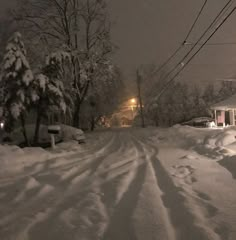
[(133, 100)]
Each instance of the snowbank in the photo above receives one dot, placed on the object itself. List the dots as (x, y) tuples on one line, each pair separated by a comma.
[(14, 159), (67, 133), (17, 136), (223, 138), (211, 137), (194, 135)]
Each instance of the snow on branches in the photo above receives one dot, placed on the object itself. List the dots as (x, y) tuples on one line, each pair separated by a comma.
[(16, 77), (48, 85)]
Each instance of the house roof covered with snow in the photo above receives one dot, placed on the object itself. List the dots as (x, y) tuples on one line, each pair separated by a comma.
[(227, 104)]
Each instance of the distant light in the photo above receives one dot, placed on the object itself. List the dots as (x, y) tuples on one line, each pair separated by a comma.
[(133, 100), (2, 125)]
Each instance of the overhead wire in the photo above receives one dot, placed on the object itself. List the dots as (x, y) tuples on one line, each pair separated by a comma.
[(183, 43), (195, 22), (214, 44), (199, 39), (191, 58), (168, 60)]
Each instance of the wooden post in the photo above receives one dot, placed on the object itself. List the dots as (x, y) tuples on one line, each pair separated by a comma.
[(233, 117), (53, 146), (224, 113), (53, 130), (140, 98), (216, 119)]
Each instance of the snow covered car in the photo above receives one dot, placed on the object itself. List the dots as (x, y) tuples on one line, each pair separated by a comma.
[(199, 122), (71, 133), (79, 136)]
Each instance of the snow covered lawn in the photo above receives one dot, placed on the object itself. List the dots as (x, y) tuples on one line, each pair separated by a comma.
[(66, 133), (176, 183)]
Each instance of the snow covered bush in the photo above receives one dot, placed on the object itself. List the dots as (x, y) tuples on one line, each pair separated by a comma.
[(15, 82)]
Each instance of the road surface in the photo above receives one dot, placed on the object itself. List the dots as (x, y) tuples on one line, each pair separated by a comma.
[(115, 189)]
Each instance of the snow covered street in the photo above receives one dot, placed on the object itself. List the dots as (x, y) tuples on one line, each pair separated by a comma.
[(125, 184), (117, 120)]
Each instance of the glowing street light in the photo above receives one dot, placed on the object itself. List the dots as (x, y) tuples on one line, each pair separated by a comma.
[(133, 100), (133, 103), (1, 125)]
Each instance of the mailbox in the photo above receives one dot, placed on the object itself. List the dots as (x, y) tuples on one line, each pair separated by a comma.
[(54, 129)]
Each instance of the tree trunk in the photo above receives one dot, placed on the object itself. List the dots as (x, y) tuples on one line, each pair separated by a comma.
[(76, 117), (24, 129), (92, 122), (156, 123), (37, 126)]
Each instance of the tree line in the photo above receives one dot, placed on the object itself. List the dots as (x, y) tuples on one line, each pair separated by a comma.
[(68, 68), (181, 101)]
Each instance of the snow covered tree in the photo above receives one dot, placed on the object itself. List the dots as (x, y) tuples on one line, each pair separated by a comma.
[(48, 91), (197, 102), (104, 96), (173, 107), (209, 96), (5, 34), (16, 79), (227, 89), (80, 26)]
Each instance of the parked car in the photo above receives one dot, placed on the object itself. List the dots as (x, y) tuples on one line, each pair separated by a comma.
[(199, 122)]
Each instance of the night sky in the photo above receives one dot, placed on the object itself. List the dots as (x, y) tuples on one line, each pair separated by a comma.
[(147, 32)]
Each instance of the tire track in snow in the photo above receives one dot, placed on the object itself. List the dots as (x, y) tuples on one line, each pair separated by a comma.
[(157, 223), (52, 198), (84, 205), (119, 172), (77, 195), (81, 159), (120, 226), (203, 200), (73, 196), (181, 218), (98, 145), (122, 182), (126, 218)]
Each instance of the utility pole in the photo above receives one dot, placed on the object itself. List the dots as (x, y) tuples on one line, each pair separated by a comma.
[(139, 79), (76, 23)]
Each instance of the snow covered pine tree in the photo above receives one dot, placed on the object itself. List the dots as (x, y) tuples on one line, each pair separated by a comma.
[(16, 79), (48, 92)]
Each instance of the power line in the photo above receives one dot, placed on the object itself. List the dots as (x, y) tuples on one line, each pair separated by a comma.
[(199, 40), (213, 44), (198, 16), (225, 8), (168, 60), (190, 59), (183, 44), (226, 79)]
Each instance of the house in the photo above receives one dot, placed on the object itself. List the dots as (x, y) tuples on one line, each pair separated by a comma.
[(225, 112)]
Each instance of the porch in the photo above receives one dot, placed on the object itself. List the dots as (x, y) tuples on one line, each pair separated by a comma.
[(225, 117), (225, 112)]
